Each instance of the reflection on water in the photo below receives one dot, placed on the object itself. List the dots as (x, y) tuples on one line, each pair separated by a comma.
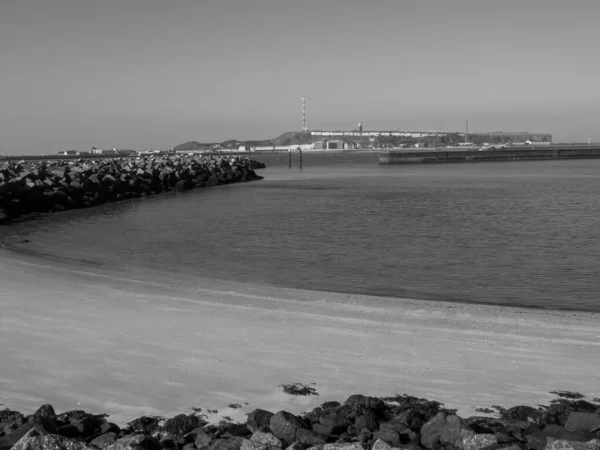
[(514, 233)]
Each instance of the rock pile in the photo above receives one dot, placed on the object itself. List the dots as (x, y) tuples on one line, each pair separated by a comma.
[(49, 186), (360, 423)]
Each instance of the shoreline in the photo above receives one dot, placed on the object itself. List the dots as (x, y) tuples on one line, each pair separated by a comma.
[(21, 250), (361, 422), (95, 331)]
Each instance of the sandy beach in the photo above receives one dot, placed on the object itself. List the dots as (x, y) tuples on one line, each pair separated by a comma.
[(85, 337)]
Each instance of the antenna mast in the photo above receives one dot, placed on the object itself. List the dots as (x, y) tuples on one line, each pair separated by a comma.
[(304, 128)]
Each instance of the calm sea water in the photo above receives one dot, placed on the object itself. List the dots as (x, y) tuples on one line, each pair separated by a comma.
[(519, 233)]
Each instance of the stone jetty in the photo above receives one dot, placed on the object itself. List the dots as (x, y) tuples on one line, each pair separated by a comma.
[(360, 423), (48, 186)]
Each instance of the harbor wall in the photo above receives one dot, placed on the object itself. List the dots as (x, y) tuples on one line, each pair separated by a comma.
[(444, 155)]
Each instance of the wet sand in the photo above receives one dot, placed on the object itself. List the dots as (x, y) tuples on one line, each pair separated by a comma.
[(84, 337)]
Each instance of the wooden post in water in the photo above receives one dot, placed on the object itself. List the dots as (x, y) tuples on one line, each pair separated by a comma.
[(300, 151), (249, 158), (290, 157)]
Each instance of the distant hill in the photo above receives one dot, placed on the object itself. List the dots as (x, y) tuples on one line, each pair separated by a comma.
[(285, 139), (294, 138), (191, 145)]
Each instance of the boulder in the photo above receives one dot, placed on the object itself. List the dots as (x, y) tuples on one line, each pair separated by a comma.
[(368, 420), (538, 440), (297, 446), (284, 426), (309, 437), (332, 421), (135, 442), (38, 440), (181, 424), (582, 421), (261, 441), (68, 430), (444, 429), (226, 444), (143, 425), (478, 441), (355, 401), (43, 425), (396, 429), (240, 430), (109, 427), (561, 444), (382, 445), (104, 440), (344, 446), (201, 438), (8, 417)]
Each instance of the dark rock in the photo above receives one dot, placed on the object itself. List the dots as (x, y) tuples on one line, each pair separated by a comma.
[(180, 425), (226, 444), (10, 421), (45, 411), (356, 401), (344, 446), (284, 426), (135, 442), (89, 425), (444, 429), (558, 444), (183, 185), (309, 437), (168, 443), (143, 425), (69, 430), (239, 430), (364, 436), (537, 440), (202, 438), (258, 420), (582, 421), (334, 421), (330, 405), (368, 420), (392, 437), (405, 434), (109, 427), (42, 425), (104, 440), (516, 446)]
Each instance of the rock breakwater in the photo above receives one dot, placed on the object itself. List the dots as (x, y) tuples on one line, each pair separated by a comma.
[(49, 186), (360, 423)]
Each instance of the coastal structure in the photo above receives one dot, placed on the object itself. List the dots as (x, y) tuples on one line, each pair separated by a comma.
[(475, 138), (493, 153), (50, 186)]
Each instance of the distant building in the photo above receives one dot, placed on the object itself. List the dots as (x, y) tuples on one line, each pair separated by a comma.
[(335, 144), (98, 151)]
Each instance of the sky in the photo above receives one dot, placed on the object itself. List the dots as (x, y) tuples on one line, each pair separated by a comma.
[(138, 74)]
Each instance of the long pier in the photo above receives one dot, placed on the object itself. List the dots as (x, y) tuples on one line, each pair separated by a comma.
[(520, 153)]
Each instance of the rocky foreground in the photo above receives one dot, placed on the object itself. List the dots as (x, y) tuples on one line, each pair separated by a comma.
[(360, 423), (48, 186)]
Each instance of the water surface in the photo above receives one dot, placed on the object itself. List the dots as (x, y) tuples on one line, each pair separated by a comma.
[(515, 233)]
